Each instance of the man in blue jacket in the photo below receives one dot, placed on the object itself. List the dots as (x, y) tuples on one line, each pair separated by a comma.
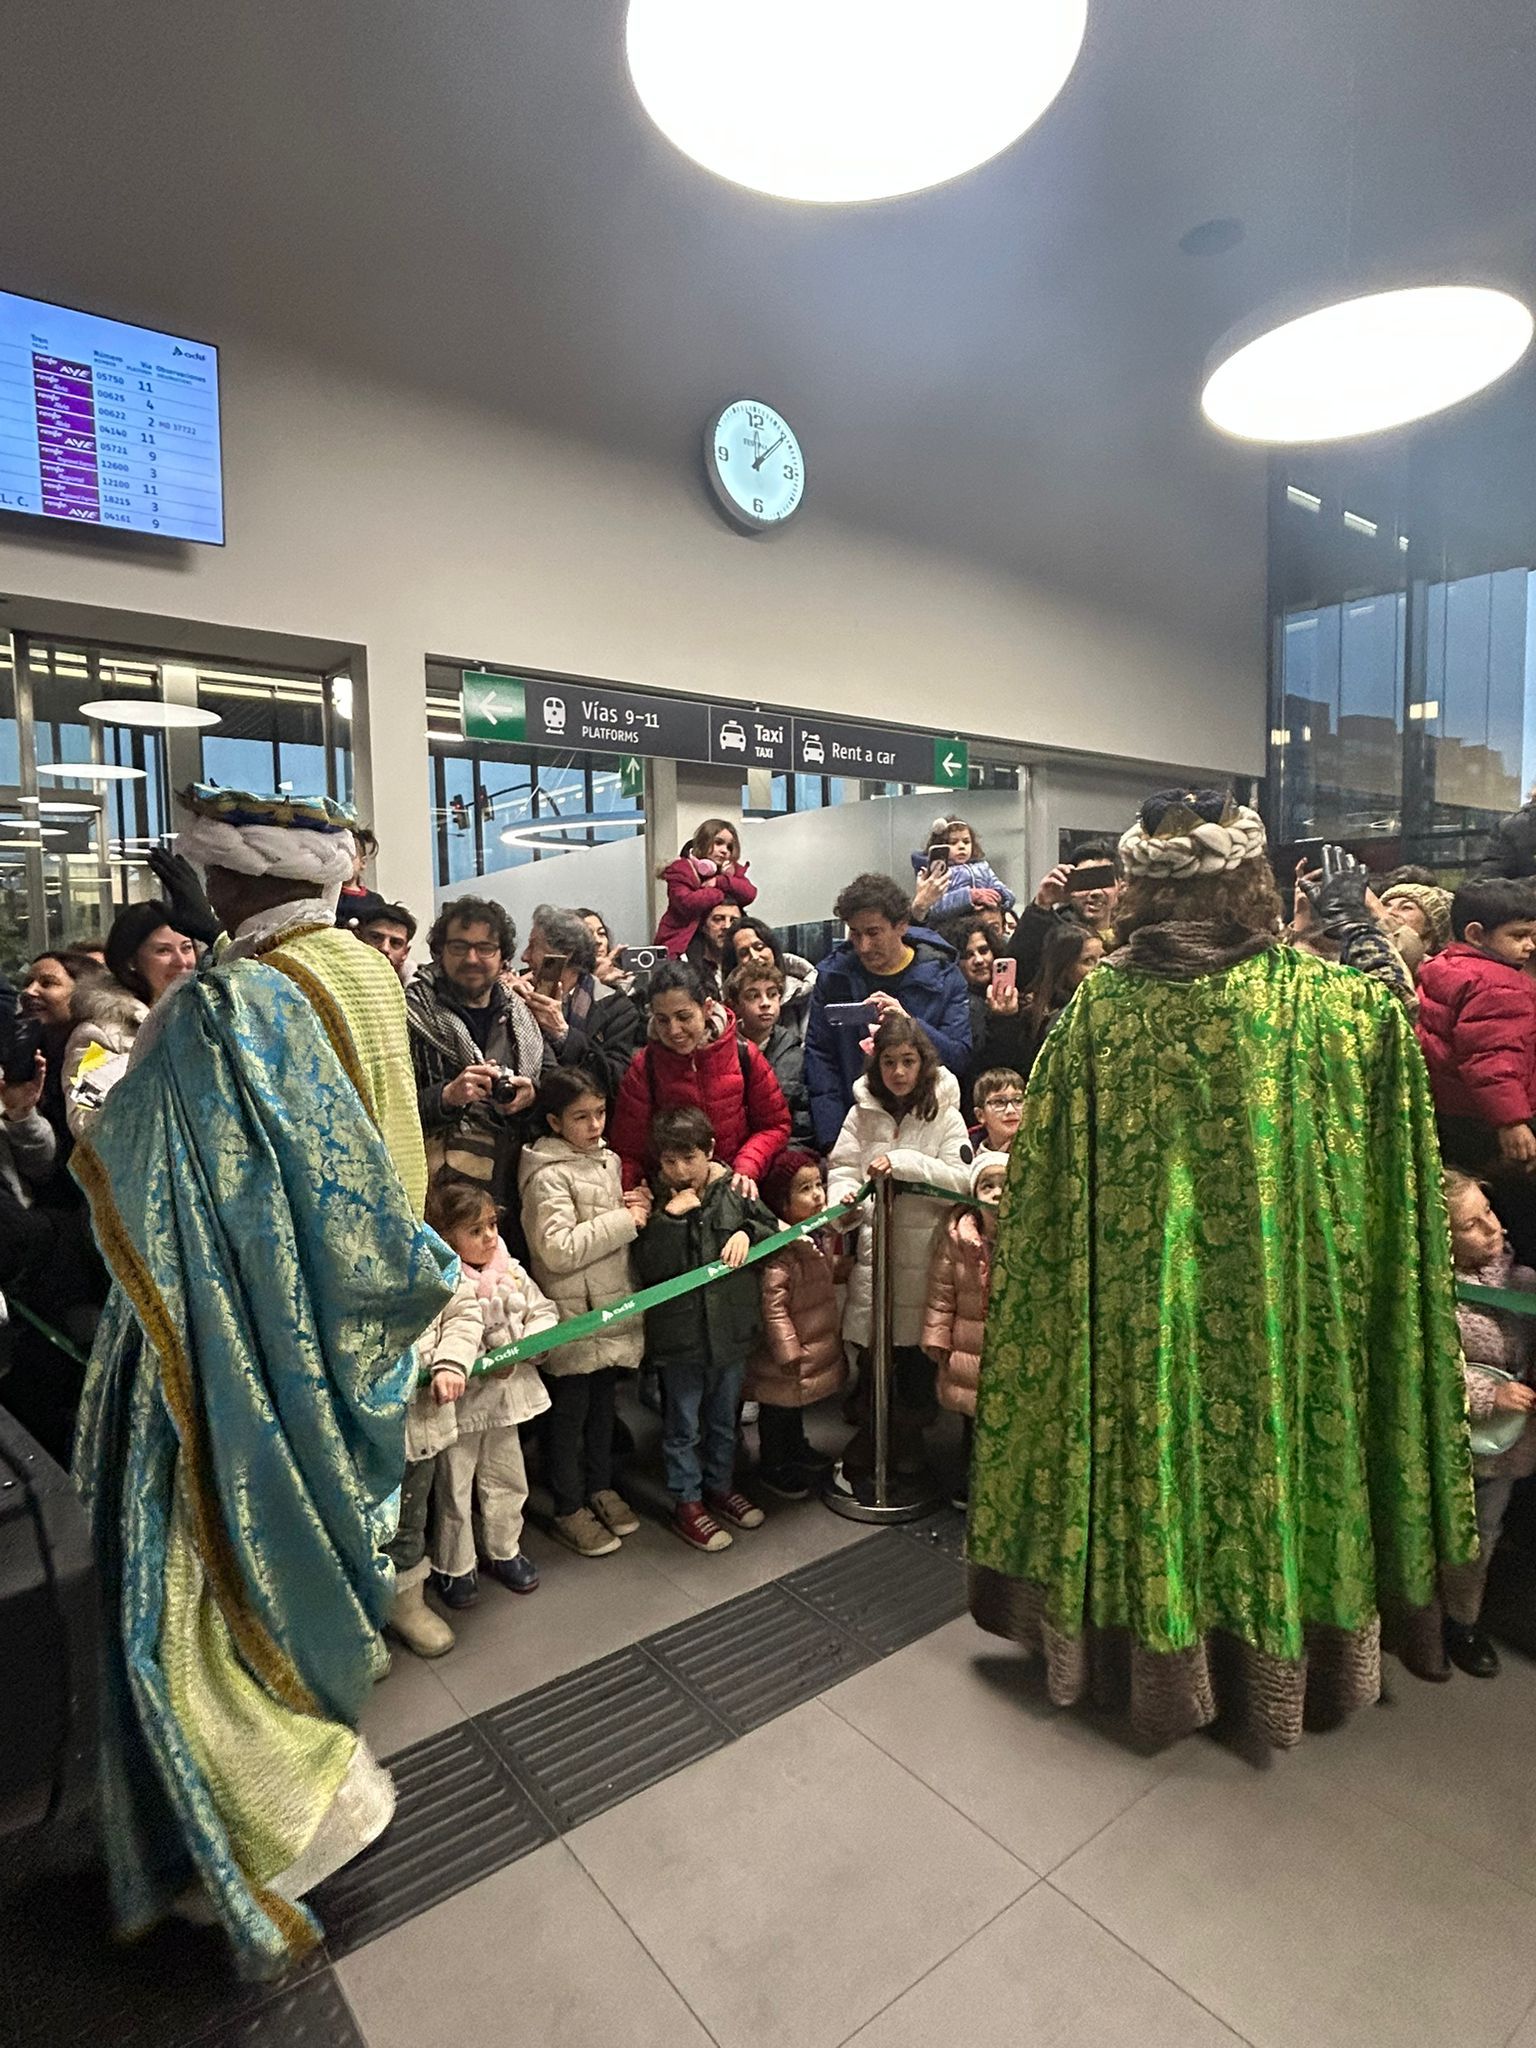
[(891, 964)]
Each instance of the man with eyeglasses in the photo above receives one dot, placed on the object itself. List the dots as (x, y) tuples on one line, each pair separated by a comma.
[(477, 1047)]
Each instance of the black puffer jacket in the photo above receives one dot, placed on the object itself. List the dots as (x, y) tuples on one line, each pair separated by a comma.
[(1511, 846), (716, 1325)]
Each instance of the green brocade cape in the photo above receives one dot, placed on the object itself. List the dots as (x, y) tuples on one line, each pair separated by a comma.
[(1221, 1392)]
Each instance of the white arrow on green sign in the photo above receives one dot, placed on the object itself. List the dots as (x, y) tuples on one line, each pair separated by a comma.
[(631, 776), (952, 764), (494, 706)]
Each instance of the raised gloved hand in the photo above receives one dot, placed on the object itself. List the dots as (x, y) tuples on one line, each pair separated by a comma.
[(191, 912), (1337, 894)]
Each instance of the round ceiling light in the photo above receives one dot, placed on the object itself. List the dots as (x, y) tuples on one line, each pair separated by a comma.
[(832, 100), (89, 771), (146, 712), (1365, 364)]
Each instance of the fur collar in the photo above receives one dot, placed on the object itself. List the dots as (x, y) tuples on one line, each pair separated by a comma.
[(1182, 950), (98, 999)]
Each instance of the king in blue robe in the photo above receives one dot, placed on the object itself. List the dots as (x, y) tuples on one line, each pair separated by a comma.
[(240, 1451)]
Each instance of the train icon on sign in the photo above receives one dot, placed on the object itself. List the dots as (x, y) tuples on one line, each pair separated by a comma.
[(812, 752), (554, 714), (734, 736)]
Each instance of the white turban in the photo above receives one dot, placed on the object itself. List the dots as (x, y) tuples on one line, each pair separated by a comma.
[(288, 853), (1206, 849)]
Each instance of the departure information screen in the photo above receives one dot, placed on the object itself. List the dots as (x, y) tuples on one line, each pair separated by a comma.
[(108, 425)]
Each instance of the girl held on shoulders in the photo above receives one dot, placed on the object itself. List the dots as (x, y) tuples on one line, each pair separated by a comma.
[(707, 873), (969, 880)]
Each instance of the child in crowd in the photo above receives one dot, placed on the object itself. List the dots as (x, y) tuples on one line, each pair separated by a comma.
[(970, 882), (801, 1358), (482, 1467), (693, 1059), (959, 1281), (699, 1343), (445, 1350), (1477, 1025), (580, 1226), (1489, 1338), (1070, 954), (708, 872), (999, 1098), (905, 1123), (755, 993)]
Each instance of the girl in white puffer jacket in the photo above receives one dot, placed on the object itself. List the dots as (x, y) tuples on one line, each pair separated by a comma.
[(906, 1123)]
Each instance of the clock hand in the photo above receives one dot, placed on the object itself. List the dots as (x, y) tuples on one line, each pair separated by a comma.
[(768, 451)]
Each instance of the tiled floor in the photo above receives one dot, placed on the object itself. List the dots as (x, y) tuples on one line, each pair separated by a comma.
[(921, 1852)]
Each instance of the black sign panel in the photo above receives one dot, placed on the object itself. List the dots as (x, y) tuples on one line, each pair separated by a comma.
[(740, 736), (592, 718), (875, 753)]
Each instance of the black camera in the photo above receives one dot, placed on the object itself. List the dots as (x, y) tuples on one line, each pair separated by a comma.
[(504, 1087)]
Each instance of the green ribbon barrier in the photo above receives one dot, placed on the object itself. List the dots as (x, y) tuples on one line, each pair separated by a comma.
[(1507, 1298), (55, 1338)]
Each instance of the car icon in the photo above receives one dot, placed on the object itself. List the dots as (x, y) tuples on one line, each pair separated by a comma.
[(554, 714), (734, 736), (811, 750)]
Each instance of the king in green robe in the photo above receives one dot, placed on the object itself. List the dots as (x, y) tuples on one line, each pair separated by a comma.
[(240, 1451), (1221, 1441)]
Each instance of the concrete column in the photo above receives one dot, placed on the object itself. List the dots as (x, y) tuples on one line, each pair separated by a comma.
[(663, 834), (390, 769)]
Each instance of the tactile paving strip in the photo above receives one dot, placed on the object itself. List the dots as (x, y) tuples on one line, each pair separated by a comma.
[(757, 1657), (885, 1593), (943, 1531), (461, 1815), (314, 2014), (587, 1741)]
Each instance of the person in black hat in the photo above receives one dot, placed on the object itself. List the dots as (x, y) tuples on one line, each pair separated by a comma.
[(388, 927), (146, 954)]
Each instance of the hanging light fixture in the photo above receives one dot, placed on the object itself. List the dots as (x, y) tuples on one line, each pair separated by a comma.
[(150, 713), (89, 771), (848, 99), (1361, 365)]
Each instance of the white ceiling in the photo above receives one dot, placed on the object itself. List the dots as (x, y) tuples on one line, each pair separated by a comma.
[(463, 194)]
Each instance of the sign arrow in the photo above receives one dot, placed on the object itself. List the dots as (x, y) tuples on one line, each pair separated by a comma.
[(950, 764)]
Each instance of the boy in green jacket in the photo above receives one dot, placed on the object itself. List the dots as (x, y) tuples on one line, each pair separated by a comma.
[(700, 1342)]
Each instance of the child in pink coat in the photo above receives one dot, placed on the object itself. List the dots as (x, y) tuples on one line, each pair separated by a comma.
[(959, 1281), (708, 872)]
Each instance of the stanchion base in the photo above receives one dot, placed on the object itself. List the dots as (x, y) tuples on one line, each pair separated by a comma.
[(860, 1506)]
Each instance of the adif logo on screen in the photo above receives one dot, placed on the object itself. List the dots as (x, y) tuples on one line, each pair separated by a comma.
[(193, 355)]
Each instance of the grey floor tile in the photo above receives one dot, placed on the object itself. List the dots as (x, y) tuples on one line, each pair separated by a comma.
[(409, 1705), (313, 2015), (601, 1735), (795, 1533), (460, 1816), (757, 1656), (532, 1955), (886, 1592), (1524, 2035), (585, 1608), (970, 1718), (792, 1885), (1301, 1913), (1044, 1972), (1451, 1759)]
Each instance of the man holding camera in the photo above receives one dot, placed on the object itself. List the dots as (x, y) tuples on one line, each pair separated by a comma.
[(476, 1047), (1082, 890)]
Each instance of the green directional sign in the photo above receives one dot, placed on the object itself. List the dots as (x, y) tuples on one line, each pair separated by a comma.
[(631, 776), (494, 706), (952, 764)]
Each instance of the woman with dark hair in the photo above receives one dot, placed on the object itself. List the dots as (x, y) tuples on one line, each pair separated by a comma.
[(1069, 956), (692, 1059), (708, 872), (46, 995), (754, 941), (905, 1122), (1221, 1442), (145, 956)]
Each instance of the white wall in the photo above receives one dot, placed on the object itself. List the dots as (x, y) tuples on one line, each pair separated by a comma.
[(407, 525), (609, 879)]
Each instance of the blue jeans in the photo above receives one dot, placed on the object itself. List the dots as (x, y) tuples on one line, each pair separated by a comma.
[(699, 1404)]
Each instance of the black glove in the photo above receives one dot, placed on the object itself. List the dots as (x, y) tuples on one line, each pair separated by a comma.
[(1337, 896), (191, 912)]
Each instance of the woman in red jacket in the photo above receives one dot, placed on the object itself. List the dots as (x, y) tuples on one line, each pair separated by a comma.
[(709, 871), (694, 1059)]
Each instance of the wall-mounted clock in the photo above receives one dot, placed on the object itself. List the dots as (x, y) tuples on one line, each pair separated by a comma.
[(755, 465)]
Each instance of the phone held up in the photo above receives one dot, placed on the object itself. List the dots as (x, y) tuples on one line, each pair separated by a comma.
[(848, 1016), (1092, 874), (641, 959), (1005, 974), (551, 967), (938, 853)]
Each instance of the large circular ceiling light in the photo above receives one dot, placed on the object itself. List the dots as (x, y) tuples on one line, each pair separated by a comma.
[(1365, 364), (148, 712), (849, 99), (89, 771)]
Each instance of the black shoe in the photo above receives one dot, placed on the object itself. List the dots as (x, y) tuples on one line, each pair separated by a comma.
[(518, 1574), (1470, 1649), (459, 1592), (789, 1482), (814, 1464)]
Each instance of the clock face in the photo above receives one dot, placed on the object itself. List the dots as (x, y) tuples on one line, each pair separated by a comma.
[(755, 465)]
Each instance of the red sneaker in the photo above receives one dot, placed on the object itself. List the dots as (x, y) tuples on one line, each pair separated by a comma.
[(736, 1509), (693, 1522)]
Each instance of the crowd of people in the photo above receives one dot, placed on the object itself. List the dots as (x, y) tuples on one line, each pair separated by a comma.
[(1222, 1146)]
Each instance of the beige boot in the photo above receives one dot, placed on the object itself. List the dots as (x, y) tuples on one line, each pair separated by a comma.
[(413, 1622)]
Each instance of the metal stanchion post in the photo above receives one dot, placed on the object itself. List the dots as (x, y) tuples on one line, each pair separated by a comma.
[(875, 1503)]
